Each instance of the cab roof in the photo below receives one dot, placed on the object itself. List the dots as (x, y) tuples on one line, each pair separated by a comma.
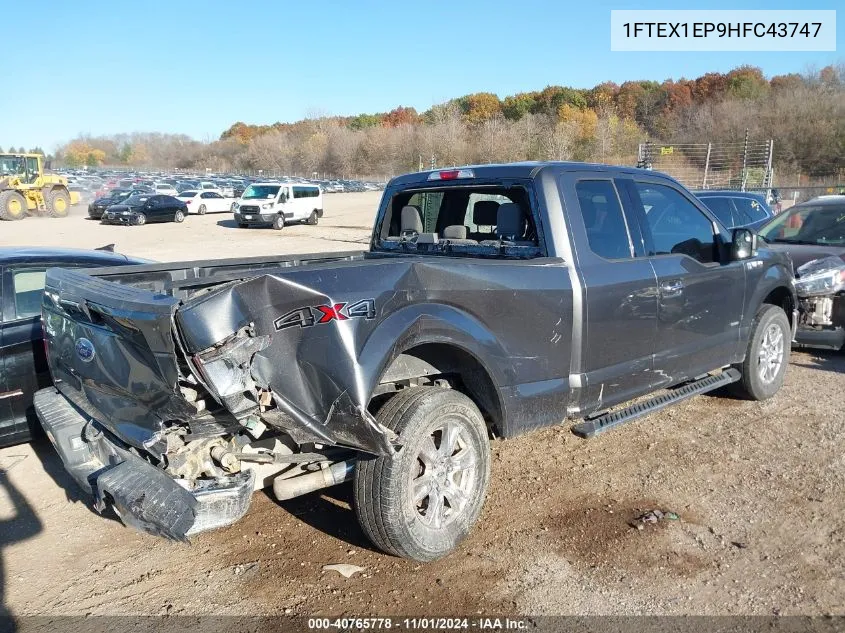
[(526, 169), (35, 255)]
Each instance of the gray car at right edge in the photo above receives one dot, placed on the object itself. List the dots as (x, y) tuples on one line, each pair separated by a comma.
[(492, 300)]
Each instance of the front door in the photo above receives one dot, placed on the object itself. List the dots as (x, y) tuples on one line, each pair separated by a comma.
[(619, 295), (701, 298)]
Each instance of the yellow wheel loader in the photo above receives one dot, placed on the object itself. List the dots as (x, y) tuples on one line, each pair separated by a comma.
[(24, 187)]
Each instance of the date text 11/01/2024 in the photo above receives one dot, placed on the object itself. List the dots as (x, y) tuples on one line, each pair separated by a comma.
[(418, 623)]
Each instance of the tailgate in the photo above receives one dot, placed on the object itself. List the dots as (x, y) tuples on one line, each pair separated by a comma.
[(112, 353)]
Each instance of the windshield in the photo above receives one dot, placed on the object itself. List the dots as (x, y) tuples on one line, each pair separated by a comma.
[(256, 192), (11, 165), (810, 224)]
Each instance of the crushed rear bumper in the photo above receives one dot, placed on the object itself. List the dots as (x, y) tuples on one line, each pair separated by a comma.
[(144, 496)]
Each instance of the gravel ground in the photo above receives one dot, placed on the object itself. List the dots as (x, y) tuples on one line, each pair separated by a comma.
[(758, 489)]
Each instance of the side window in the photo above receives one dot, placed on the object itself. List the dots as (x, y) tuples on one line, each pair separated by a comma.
[(206, 195), (32, 168), (749, 210), (28, 286), (677, 226), (297, 192), (607, 231), (723, 209)]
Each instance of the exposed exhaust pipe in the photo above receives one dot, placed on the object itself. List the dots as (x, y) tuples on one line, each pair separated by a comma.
[(337, 473)]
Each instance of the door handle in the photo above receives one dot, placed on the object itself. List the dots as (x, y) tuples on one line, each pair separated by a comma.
[(672, 288), (11, 394)]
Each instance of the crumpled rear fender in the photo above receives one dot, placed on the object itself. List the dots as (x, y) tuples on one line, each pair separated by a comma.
[(322, 375)]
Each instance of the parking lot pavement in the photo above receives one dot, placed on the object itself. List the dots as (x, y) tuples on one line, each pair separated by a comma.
[(758, 489), (345, 225)]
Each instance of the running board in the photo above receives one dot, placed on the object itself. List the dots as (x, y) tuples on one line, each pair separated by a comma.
[(589, 428)]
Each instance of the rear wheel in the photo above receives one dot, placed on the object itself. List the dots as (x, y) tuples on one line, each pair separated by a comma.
[(201, 210), (767, 355), (422, 502), (180, 216), (12, 206), (140, 219), (312, 219), (279, 223), (58, 203)]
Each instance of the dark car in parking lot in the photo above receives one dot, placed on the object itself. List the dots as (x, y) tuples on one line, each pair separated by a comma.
[(23, 364), (115, 196), (139, 209), (737, 209), (813, 235)]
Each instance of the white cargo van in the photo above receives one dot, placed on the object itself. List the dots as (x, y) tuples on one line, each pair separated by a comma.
[(279, 204)]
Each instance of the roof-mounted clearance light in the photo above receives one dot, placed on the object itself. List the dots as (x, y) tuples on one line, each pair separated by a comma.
[(451, 174)]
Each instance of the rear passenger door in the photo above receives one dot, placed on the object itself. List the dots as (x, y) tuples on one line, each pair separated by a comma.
[(700, 298), (618, 293)]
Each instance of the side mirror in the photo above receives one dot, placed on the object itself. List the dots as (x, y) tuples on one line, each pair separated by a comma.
[(743, 244)]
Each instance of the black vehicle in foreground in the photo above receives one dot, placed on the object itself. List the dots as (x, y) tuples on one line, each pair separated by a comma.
[(813, 234), (140, 209), (23, 364), (492, 300)]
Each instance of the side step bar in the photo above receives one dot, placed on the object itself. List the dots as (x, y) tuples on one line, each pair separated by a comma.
[(589, 428)]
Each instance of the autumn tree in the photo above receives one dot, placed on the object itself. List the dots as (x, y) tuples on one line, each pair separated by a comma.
[(517, 106), (479, 107)]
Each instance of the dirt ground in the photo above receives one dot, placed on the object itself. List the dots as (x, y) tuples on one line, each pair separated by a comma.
[(759, 489)]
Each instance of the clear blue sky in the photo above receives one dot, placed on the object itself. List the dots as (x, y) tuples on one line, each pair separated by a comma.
[(197, 67)]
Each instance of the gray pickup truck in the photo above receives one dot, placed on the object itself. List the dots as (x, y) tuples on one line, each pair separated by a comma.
[(493, 300)]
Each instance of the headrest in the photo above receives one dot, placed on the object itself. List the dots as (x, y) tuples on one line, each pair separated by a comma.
[(411, 220), (484, 212), (510, 221), (455, 232)]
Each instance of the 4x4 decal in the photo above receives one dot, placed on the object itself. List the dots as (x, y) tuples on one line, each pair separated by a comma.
[(308, 316)]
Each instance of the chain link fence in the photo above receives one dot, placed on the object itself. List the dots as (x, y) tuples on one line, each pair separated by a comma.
[(739, 165)]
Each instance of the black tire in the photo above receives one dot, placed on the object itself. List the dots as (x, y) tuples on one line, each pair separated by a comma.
[(179, 216), (140, 219), (393, 519), (312, 219), (202, 209), (765, 363), (58, 203), (278, 223), (12, 206), (241, 225)]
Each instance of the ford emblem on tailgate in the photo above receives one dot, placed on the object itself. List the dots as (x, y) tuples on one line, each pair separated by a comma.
[(85, 350)]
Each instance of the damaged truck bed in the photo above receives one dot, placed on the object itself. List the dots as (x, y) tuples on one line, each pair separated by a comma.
[(492, 300)]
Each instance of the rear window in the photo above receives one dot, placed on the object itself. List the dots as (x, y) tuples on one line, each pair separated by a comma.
[(481, 220)]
